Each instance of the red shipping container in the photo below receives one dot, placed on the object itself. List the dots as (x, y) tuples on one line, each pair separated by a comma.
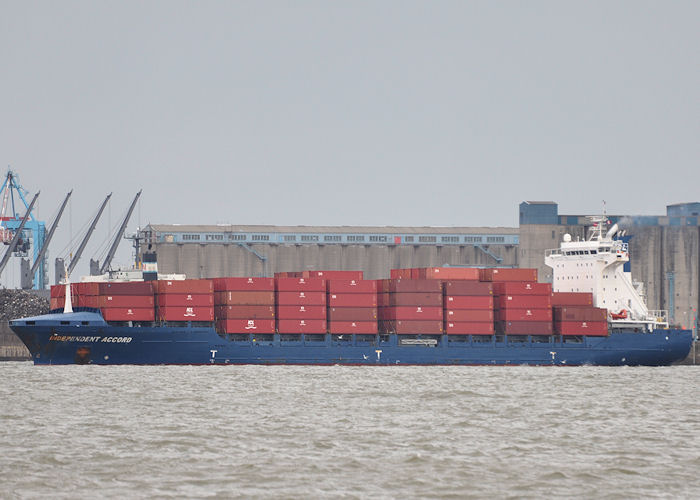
[(300, 284), (469, 328), (412, 285), (186, 313), (60, 290), (409, 299), (400, 274), (128, 314), (120, 288), (94, 301), (288, 274), (334, 275), (244, 298), (469, 315), (246, 325), (183, 286), (572, 299), (469, 302), (521, 288), (351, 286), (295, 326), (508, 274), (57, 302), (93, 288), (244, 312), (580, 313), (361, 327), (419, 313), (523, 301), (412, 327), (524, 315), (594, 328), (524, 327), (119, 300), (301, 312), (352, 300), (417, 273), (452, 273), (243, 284), (352, 314), (468, 288), (186, 299), (300, 298)]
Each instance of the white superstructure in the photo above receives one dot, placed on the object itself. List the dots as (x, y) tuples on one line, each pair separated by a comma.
[(596, 265)]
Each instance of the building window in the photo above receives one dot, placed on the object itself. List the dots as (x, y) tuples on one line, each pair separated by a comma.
[(237, 237), (355, 237), (495, 239), (450, 239), (408, 239), (190, 237), (289, 237), (472, 239), (377, 238), (261, 237), (309, 237), (332, 238), (427, 239)]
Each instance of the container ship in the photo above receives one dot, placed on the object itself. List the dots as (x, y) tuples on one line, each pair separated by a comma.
[(592, 314)]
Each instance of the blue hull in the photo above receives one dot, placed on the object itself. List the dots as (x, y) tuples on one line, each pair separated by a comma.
[(85, 338)]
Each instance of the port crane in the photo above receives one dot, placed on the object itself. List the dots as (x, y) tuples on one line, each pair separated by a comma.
[(94, 265), (63, 271), (21, 234), (27, 273)]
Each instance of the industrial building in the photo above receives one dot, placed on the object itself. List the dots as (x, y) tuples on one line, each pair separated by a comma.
[(664, 250)]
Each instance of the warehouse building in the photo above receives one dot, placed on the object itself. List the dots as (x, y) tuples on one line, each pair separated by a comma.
[(664, 250)]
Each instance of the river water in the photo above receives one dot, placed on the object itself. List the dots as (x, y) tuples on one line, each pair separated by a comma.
[(349, 432)]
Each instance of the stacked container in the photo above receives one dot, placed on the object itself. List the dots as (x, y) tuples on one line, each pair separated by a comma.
[(184, 300), (449, 273), (410, 306), (574, 314), (523, 307), (301, 305), (118, 301), (244, 305), (468, 308), (333, 275), (126, 301), (352, 306)]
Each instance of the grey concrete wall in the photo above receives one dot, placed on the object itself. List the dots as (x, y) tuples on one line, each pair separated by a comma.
[(11, 347), (206, 261)]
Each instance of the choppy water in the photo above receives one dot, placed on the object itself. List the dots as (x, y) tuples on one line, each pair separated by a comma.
[(353, 432)]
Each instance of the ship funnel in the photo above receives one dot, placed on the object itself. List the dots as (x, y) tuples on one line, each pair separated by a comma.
[(611, 232)]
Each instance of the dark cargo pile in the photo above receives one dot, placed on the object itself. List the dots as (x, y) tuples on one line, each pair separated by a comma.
[(20, 303)]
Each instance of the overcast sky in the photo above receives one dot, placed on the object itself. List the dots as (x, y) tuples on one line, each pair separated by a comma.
[(348, 113)]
